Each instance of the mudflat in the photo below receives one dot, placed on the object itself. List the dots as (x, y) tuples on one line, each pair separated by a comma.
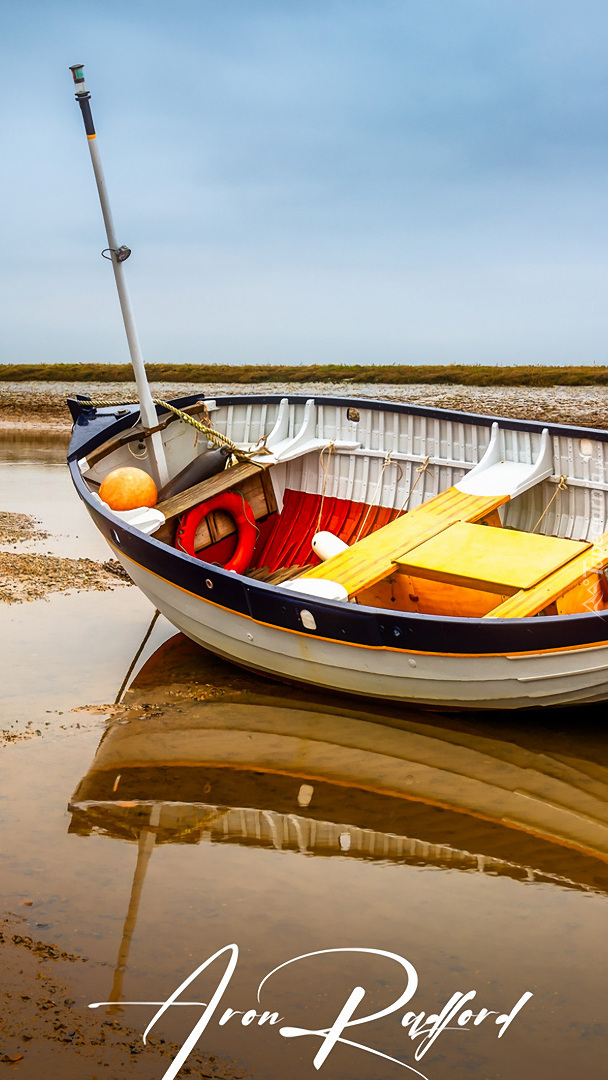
[(32, 575), (41, 406)]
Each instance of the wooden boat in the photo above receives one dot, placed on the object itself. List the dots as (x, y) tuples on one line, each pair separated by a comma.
[(409, 554), (396, 552)]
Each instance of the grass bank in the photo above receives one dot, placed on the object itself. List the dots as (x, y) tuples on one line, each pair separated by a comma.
[(456, 375)]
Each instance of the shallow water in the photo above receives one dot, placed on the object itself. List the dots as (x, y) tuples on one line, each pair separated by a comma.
[(223, 808)]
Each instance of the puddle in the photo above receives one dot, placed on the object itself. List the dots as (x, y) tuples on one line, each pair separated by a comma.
[(34, 447), (217, 807), (45, 491)]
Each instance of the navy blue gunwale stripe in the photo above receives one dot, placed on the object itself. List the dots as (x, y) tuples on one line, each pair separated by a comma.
[(347, 623)]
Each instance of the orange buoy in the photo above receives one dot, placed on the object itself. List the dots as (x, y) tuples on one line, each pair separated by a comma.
[(128, 488)]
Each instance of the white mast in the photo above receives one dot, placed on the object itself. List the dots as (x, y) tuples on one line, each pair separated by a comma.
[(118, 256)]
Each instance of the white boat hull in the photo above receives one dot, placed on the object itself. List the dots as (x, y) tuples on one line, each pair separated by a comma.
[(373, 458), (515, 681)]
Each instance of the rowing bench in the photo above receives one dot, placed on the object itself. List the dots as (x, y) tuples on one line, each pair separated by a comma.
[(590, 564), (442, 540), (445, 541), (373, 558), (503, 561)]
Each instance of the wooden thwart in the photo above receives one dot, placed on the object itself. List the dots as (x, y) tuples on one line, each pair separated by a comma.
[(259, 496), (373, 558), (502, 561), (528, 602)]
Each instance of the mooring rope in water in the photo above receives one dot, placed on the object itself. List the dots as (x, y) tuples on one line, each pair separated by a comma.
[(136, 657)]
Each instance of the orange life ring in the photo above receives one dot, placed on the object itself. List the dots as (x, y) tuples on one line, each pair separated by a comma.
[(235, 505)]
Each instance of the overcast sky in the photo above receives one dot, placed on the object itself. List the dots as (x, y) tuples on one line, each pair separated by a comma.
[(308, 181)]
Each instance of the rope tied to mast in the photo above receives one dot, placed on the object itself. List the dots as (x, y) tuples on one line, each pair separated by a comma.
[(216, 437)]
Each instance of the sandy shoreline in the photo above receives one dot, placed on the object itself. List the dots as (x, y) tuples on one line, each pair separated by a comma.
[(41, 407), (48, 1030), (32, 575)]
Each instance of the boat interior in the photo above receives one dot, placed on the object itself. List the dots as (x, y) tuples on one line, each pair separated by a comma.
[(414, 511)]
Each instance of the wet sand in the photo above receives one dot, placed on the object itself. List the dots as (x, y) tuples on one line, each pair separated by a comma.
[(472, 906), (45, 1031), (39, 1035), (41, 406), (33, 575)]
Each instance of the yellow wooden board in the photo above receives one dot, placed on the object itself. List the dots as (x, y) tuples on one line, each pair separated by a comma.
[(371, 559), (531, 601), (498, 560)]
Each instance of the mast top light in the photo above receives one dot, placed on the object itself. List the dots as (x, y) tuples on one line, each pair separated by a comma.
[(78, 76)]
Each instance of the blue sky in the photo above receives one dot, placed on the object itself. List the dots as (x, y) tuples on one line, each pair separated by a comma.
[(348, 181)]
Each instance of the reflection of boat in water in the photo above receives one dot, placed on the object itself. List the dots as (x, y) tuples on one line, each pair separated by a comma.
[(207, 754), (324, 778)]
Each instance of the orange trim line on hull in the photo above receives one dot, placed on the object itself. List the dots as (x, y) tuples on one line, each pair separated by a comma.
[(378, 791), (356, 644)]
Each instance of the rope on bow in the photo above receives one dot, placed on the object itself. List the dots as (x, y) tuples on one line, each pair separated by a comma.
[(215, 437)]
